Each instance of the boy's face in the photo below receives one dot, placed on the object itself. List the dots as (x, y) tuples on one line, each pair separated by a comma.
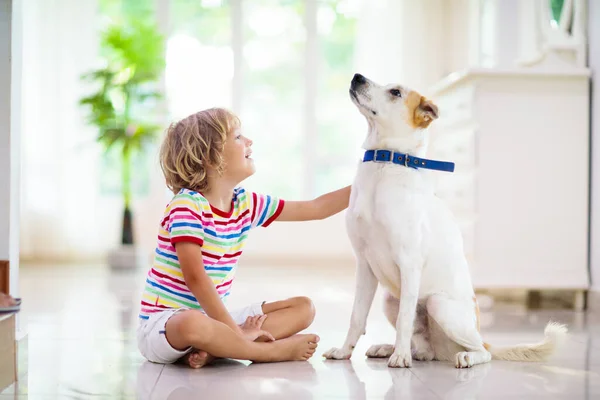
[(237, 153)]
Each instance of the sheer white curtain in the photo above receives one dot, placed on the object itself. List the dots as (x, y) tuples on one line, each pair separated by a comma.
[(62, 214)]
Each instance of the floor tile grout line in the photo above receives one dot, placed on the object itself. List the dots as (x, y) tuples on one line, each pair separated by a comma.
[(424, 384), (157, 378)]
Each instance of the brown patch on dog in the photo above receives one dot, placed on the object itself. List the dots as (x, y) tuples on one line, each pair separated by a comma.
[(476, 312), (421, 112), (487, 346)]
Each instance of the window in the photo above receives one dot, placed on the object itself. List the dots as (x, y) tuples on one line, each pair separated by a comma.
[(199, 57), (110, 175), (274, 82), (341, 128), (284, 66)]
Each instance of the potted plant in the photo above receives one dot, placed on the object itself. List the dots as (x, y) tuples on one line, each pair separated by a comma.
[(122, 107)]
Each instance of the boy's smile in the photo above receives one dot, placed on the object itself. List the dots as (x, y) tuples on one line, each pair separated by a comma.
[(237, 154)]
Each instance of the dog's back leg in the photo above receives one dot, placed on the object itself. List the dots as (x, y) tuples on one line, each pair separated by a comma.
[(420, 345), (458, 320)]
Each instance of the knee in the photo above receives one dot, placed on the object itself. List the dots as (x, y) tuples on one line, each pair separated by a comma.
[(191, 326), (306, 310)]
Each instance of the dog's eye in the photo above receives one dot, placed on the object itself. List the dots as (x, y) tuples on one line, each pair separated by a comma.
[(396, 92)]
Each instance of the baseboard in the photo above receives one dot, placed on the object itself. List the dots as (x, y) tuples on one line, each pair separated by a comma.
[(533, 298), (4, 276), (593, 301)]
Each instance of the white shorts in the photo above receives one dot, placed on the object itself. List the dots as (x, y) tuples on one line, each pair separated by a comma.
[(153, 343)]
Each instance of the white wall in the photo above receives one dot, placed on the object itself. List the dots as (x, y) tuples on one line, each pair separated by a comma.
[(15, 144), (9, 138), (9, 146), (594, 63), (5, 24)]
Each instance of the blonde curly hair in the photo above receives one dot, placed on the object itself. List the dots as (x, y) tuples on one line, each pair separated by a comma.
[(193, 145)]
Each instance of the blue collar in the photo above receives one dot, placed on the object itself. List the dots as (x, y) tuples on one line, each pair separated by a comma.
[(384, 156)]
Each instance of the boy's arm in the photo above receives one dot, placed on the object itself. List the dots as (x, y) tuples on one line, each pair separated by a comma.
[(201, 285), (322, 207)]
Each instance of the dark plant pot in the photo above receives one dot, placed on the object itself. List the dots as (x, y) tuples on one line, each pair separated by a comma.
[(127, 234), (125, 256)]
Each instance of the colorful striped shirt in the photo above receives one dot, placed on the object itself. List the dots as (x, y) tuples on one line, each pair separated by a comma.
[(189, 217)]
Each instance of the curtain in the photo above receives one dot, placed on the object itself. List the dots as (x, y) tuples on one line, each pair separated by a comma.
[(62, 214)]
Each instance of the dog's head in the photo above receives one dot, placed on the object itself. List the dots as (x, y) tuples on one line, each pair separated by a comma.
[(394, 108)]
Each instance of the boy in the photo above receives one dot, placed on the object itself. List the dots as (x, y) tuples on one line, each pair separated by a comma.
[(204, 158)]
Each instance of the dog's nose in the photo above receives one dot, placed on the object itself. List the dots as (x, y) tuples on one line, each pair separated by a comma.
[(358, 80)]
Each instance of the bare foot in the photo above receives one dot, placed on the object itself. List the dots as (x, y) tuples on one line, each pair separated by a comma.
[(295, 348), (7, 300), (197, 359)]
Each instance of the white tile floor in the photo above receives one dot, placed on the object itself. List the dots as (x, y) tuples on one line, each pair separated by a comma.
[(81, 321)]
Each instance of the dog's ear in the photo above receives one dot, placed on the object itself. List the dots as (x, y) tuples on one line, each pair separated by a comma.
[(425, 113), (421, 112)]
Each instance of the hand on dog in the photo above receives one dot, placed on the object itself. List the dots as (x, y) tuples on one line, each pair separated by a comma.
[(251, 329)]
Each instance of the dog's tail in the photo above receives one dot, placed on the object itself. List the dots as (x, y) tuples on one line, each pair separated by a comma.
[(555, 336)]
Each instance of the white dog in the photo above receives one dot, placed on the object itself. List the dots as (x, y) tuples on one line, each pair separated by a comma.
[(405, 238)]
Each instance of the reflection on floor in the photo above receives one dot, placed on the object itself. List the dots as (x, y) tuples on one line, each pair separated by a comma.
[(80, 323)]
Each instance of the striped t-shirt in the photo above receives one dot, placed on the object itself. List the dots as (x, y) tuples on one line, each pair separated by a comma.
[(189, 217)]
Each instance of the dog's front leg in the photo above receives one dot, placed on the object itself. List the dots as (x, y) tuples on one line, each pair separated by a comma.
[(366, 286), (410, 276)]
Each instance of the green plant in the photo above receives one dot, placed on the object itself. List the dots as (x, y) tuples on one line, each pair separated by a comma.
[(125, 97), (556, 8)]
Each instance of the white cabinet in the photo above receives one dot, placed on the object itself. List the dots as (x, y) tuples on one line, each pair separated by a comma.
[(520, 141)]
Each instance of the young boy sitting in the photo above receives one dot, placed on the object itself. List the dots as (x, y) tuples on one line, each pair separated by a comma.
[(201, 237)]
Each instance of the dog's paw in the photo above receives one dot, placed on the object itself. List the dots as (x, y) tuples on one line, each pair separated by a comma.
[(380, 351), (400, 359), (463, 360), (338, 354)]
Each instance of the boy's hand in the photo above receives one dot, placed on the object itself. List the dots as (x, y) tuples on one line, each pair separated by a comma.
[(251, 328)]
